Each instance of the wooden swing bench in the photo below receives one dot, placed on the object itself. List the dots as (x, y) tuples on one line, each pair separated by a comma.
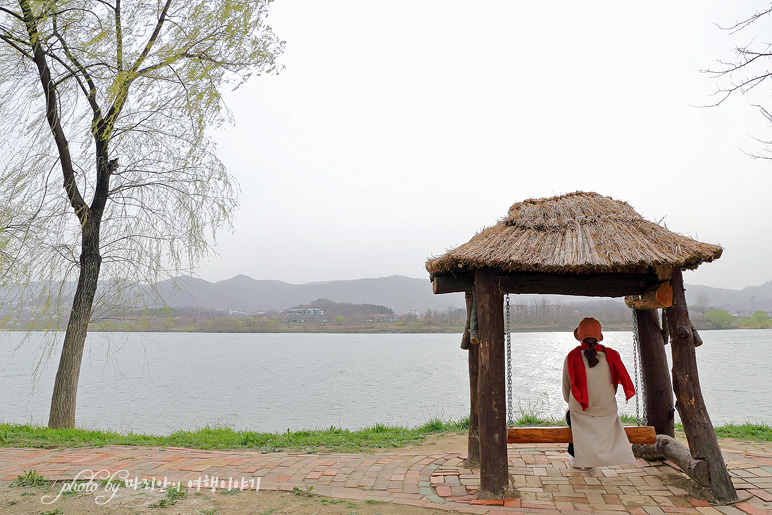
[(562, 434)]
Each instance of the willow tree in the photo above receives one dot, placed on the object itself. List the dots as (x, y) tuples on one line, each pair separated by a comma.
[(118, 98)]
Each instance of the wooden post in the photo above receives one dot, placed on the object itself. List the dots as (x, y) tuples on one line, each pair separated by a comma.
[(700, 434), (473, 440), (492, 411), (657, 386)]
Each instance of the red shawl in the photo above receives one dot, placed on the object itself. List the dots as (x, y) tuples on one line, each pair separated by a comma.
[(578, 375)]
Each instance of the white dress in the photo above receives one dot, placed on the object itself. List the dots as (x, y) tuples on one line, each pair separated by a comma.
[(599, 437)]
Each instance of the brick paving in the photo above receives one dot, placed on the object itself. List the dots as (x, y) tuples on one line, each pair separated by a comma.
[(540, 474)]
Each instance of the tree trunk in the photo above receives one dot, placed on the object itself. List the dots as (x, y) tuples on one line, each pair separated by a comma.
[(473, 440), (494, 475), (657, 387), (63, 400), (703, 443)]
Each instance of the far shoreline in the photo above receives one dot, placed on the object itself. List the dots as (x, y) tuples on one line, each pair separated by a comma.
[(356, 330)]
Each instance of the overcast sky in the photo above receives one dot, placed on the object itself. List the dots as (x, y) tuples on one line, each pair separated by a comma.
[(399, 129)]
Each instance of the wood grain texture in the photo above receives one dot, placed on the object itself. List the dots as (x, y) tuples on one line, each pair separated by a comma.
[(679, 454), (689, 401), (562, 434), (657, 386), (491, 387), (655, 297)]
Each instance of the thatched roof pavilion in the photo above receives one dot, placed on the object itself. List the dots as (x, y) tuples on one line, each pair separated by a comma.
[(576, 233), (583, 243)]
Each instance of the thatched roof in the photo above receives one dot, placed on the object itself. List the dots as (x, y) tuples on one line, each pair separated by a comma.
[(576, 233)]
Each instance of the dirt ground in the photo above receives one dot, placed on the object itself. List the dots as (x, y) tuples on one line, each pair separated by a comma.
[(16, 500)]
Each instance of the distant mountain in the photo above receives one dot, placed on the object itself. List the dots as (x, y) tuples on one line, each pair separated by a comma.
[(400, 293), (243, 293), (749, 298)]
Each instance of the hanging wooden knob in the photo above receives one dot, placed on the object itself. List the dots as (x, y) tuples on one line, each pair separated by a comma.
[(655, 297)]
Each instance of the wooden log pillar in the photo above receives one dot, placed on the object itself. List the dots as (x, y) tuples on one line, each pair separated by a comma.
[(679, 454), (657, 387), (491, 392), (473, 440), (700, 434)]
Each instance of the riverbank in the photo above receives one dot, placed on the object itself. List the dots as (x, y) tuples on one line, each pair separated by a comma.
[(334, 439)]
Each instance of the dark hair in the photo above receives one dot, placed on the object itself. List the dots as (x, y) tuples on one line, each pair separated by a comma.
[(590, 352)]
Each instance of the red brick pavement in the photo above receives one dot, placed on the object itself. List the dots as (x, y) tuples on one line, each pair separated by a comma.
[(544, 481)]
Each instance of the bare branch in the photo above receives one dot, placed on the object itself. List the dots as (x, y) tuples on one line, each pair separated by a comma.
[(118, 36)]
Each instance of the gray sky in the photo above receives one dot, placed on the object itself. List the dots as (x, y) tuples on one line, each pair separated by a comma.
[(399, 129)]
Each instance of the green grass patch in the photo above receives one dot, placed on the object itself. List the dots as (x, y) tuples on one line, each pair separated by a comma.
[(30, 478), (758, 431), (378, 436), (172, 496), (537, 420), (332, 439)]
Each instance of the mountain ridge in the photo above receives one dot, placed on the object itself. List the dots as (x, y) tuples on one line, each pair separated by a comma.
[(400, 293), (397, 292)]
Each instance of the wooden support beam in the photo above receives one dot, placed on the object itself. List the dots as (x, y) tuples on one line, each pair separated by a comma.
[(591, 285), (657, 386), (673, 450), (690, 404), (474, 333), (562, 434), (452, 284), (656, 296), (491, 396), (467, 337), (473, 439), (696, 336)]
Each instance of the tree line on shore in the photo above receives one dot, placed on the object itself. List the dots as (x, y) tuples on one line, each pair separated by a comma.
[(531, 314)]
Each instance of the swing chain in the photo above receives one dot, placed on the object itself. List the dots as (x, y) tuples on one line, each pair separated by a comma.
[(640, 397), (510, 413)]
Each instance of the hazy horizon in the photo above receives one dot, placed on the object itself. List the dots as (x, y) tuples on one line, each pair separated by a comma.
[(397, 131), (686, 280)]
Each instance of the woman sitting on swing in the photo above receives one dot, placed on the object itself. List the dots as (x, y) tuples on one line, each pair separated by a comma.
[(591, 375)]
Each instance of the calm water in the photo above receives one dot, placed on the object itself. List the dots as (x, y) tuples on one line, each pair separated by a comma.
[(273, 382)]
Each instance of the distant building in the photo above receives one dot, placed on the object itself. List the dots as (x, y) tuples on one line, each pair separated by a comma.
[(305, 315)]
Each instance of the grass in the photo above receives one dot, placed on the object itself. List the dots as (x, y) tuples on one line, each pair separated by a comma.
[(759, 431), (379, 436), (172, 496), (332, 439), (30, 478)]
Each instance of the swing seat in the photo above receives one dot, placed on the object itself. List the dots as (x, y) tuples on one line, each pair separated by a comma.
[(562, 434)]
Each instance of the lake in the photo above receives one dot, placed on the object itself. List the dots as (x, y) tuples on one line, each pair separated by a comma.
[(160, 382)]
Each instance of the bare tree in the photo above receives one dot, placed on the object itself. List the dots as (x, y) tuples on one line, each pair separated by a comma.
[(104, 112), (703, 302), (748, 68)]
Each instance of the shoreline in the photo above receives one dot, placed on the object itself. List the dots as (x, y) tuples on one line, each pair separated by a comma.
[(363, 330)]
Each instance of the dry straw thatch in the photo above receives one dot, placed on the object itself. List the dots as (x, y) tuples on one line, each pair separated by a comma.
[(576, 233)]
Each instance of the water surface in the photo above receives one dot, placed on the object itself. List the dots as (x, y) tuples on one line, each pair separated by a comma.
[(156, 383)]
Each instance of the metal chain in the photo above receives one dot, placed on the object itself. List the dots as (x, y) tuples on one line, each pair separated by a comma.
[(510, 412), (640, 397)]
